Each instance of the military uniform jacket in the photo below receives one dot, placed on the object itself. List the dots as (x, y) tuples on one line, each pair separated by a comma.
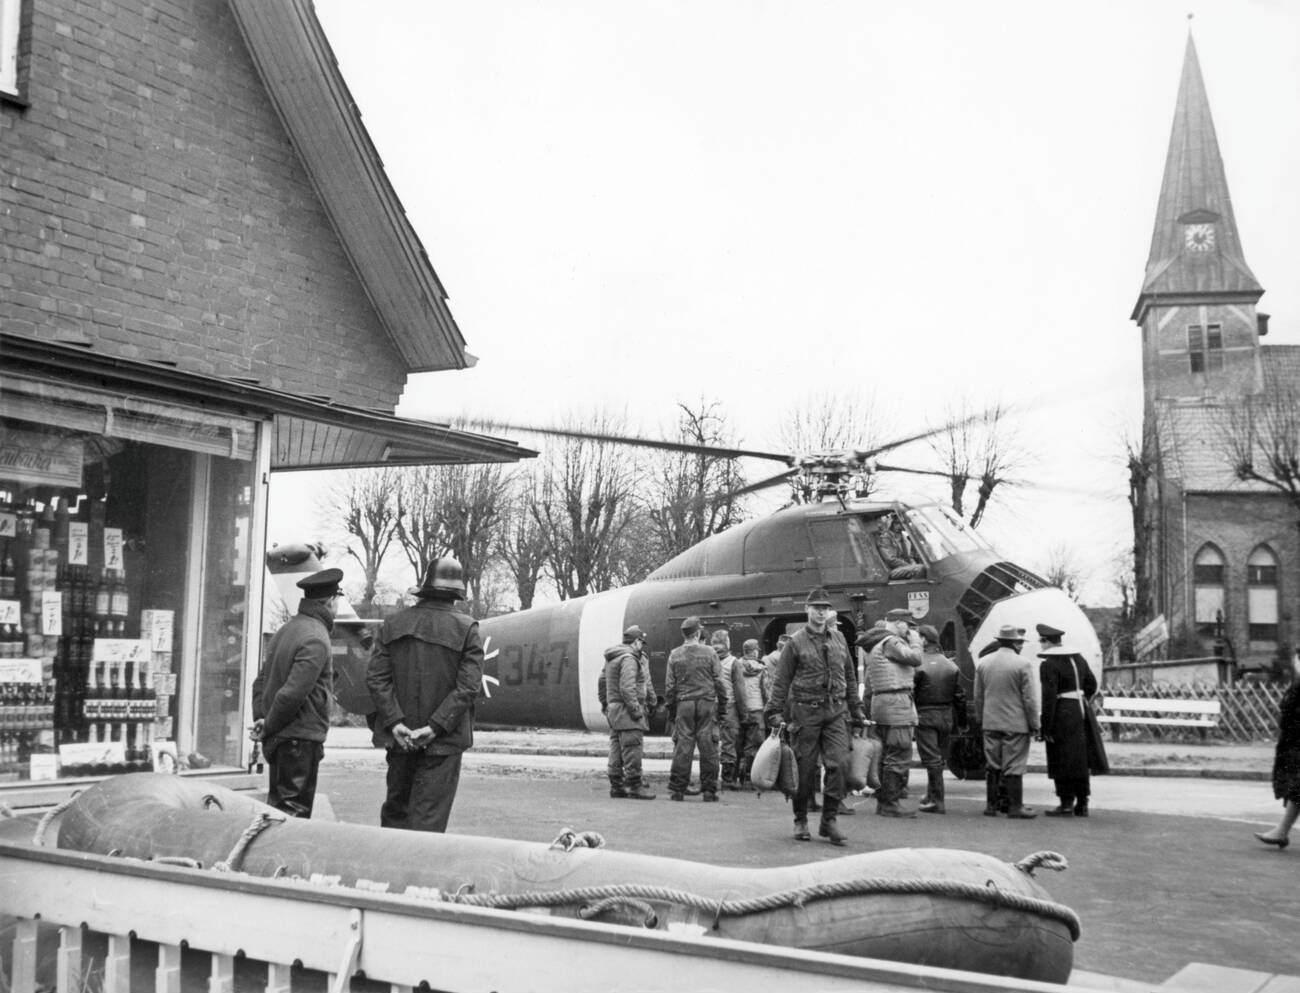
[(694, 673), (291, 694), (628, 696), (815, 670), (427, 668), (1005, 692), (891, 670), (941, 686)]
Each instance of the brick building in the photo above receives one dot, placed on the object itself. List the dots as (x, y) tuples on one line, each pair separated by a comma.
[(205, 277), (1219, 552)]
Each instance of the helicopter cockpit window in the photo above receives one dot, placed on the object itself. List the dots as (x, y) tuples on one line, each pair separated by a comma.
[(845, 553), (940, 533)]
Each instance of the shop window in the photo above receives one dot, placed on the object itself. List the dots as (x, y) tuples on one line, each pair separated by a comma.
[(11, 22), (1208, 576), (1205, 347), (1262, 597), (124, 571)]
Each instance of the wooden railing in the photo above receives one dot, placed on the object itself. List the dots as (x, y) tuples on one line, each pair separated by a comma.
[(261, 934)]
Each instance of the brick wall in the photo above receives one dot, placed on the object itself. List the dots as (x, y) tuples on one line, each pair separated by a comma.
[(1237, 524), (151, 201)]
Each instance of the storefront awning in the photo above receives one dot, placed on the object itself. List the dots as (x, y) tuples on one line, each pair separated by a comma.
[(308, 433)]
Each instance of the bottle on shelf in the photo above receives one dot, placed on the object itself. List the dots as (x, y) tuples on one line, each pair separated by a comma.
[(102, 602), (119, 603), (8, 573)]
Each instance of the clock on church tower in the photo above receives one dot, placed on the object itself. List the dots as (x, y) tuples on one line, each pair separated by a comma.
[(1198, 237)]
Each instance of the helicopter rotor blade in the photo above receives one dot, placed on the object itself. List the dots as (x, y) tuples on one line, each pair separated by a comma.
[(719, 451), (928, 433), (881, 467), (763, 484)]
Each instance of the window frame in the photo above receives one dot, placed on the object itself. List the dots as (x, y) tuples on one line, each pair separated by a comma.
[(1205, 347), (13, 23)]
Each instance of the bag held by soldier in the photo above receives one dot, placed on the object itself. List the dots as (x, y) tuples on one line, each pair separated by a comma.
[(873, 749), (767, 762), (858, 773), (787, 779)]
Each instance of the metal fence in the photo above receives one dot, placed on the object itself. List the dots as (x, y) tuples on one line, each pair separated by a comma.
[(1248, 711)]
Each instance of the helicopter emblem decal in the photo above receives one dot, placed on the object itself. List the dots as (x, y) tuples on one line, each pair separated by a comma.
[(918, 603), (488, 657)]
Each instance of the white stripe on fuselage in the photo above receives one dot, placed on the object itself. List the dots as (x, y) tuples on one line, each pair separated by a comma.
[(600, 626)]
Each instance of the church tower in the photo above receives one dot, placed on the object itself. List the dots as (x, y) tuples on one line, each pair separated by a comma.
[(1200, 330)]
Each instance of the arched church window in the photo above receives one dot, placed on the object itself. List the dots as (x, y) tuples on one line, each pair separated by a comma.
[(1208, 574), (1261, 596)]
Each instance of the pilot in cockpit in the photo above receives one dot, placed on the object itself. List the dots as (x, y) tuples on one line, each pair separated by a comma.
[(896, 550)]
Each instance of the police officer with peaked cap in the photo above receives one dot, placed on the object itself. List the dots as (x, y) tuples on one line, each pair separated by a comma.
[(291, 696)]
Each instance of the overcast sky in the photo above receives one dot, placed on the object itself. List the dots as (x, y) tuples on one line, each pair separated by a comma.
[(632, 204)]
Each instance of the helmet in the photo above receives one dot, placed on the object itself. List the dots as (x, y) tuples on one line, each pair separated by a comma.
[(444, 575)]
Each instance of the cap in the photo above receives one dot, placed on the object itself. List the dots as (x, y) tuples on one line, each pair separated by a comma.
[(818, 597), (632, 634), (321, 585), (929, 633), (690, 625), (1009, 632), (749, 643), (900, 614), (1047, 631)]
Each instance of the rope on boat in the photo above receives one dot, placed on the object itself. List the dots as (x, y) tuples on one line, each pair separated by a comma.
[(261, 820), (569, 839), (1044, 860), (589, 895), (38, 838), (649, 918)]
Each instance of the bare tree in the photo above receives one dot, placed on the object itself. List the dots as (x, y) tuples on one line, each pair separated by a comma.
[(521, 544), (691, 495), (364, 501), (584, 508), (1262, 437), (979, 446), (452, 509), (1062, 570)]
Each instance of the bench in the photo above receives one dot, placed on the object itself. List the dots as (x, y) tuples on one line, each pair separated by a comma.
[(1159, 712)]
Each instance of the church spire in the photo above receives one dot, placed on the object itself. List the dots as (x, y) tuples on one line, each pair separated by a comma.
[(1195, 249)]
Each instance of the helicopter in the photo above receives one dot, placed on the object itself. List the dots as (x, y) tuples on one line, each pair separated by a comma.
[(542, 665)]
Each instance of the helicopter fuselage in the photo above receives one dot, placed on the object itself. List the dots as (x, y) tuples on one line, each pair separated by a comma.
[(542, 665)]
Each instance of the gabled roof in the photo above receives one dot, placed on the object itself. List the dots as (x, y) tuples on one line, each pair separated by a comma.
[(302, 77), (1194, 191)]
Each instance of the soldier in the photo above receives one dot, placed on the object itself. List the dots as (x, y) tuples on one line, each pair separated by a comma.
[(893, 656), (940, 704), (425, 671), (815, 671), (693, 694), (1007, 704), (291, 696), (747, 682), (626, 698), (769, 665), (728, 722)]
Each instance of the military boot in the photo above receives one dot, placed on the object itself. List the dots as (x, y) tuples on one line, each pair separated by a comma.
[(1081, 807), (1016, 809), (616, 789), (638, 791), (1065, 808), (729, 776), (992, 783), (829, 829), (891, 787), (934, 803), (801, 829)]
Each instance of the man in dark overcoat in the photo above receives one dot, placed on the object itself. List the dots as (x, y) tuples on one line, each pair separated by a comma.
[(291, 696), (425, 672), (1069, 727)]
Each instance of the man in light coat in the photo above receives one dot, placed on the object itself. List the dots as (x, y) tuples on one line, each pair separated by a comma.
[(1006, 702)]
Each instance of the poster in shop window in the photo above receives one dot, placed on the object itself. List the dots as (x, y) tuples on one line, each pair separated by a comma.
[(42, 459)]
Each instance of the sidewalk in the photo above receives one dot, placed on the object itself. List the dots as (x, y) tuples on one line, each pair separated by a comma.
[(1127, 758)]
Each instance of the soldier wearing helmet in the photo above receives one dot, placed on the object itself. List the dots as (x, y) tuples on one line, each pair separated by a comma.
[(425, 672)]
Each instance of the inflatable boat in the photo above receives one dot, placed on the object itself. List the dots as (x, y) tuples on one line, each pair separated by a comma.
[(935, 907)]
